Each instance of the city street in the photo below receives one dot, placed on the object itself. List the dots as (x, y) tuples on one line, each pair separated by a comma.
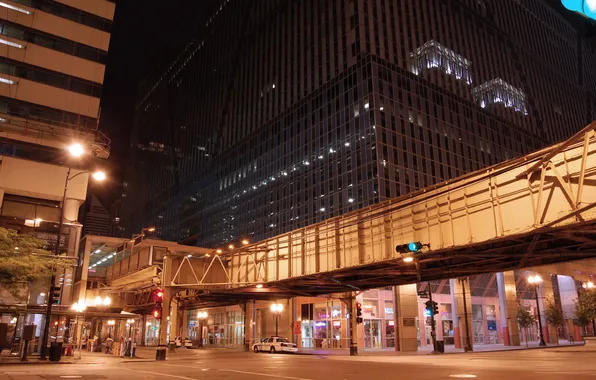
[(230, 364)]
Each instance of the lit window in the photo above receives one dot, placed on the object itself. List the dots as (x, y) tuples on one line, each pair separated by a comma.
[(10, 43), (7, 81), (22, 10)]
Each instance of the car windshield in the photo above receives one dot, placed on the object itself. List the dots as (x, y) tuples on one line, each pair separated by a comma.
[(282, 340)]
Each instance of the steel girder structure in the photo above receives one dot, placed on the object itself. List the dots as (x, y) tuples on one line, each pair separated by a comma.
[(534, 210)]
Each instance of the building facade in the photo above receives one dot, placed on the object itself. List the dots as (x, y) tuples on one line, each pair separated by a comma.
[(52, 64), (279, 114)]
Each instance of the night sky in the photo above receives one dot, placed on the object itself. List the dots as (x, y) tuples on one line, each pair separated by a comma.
[(143, 34)]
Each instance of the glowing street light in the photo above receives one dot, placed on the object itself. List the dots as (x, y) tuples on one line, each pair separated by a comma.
[(408, 259), (245, 242), (588, 285), (76, 150), (99, 176)]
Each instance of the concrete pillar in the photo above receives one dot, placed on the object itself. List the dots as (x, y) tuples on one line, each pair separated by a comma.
[(396, 295), (165, 311), (295, 319), (454, 306), (184, 328), (568, 295), (353, 326), (253, 322), (464, 307), (508, 308), (84, 271), (406, 308), (545, 293), (174, 325), (71, 210)]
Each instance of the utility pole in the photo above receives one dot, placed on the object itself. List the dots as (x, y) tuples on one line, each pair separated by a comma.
[(433, 331)]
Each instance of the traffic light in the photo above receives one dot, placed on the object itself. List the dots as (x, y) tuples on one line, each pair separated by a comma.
[(413, 246), (358, 312), (586, 8), (156, 313), (55, 295), (432, 307), (158, 299), (158, 295)]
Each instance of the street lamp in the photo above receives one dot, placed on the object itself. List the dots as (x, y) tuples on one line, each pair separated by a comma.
[(102, 301), (276, 309), (201, 315), (534, 282), (78, 307), (588, 285), (75, 150)]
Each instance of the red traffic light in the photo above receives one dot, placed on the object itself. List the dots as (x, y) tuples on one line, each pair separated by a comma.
[(158, 295), (156, 313)]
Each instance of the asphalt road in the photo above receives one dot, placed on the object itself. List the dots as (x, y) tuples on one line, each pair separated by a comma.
[(225, 364)]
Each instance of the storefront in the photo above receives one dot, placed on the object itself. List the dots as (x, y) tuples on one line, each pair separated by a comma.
[(323, 325), (151, 331), (224, 326)]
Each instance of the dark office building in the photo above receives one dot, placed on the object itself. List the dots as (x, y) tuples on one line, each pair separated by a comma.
[(278, 114)]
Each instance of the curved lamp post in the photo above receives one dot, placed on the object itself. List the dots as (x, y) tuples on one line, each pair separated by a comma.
[(276, 309), (534, 282), (76, 150)]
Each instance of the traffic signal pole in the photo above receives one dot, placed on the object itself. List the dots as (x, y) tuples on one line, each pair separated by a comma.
[(433, 331)]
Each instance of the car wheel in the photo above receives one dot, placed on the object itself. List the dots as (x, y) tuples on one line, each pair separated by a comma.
[(272, 350), (255, 349)]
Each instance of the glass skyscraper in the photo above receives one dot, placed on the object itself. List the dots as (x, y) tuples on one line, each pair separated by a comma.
[(278, 114)]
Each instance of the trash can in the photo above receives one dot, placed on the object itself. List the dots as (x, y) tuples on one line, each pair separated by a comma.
[(160, 353), (55, 351), (440, 346)]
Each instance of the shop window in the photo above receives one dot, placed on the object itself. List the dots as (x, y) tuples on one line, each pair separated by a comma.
[(370, 309)]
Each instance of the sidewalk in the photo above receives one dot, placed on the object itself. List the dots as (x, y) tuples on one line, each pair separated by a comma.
[(86, 357), (427, 350)]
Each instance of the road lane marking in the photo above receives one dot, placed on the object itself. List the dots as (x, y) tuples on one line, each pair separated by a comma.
[(264, 374), (245, 372), (161, 374)]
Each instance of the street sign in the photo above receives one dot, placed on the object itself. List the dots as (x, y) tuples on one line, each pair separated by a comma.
[(585, 7), (423, 294)]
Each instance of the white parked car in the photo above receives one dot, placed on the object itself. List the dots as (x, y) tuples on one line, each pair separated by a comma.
[(274, 344)]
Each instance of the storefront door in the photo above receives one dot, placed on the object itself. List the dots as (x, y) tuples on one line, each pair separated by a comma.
[(372, 334)]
